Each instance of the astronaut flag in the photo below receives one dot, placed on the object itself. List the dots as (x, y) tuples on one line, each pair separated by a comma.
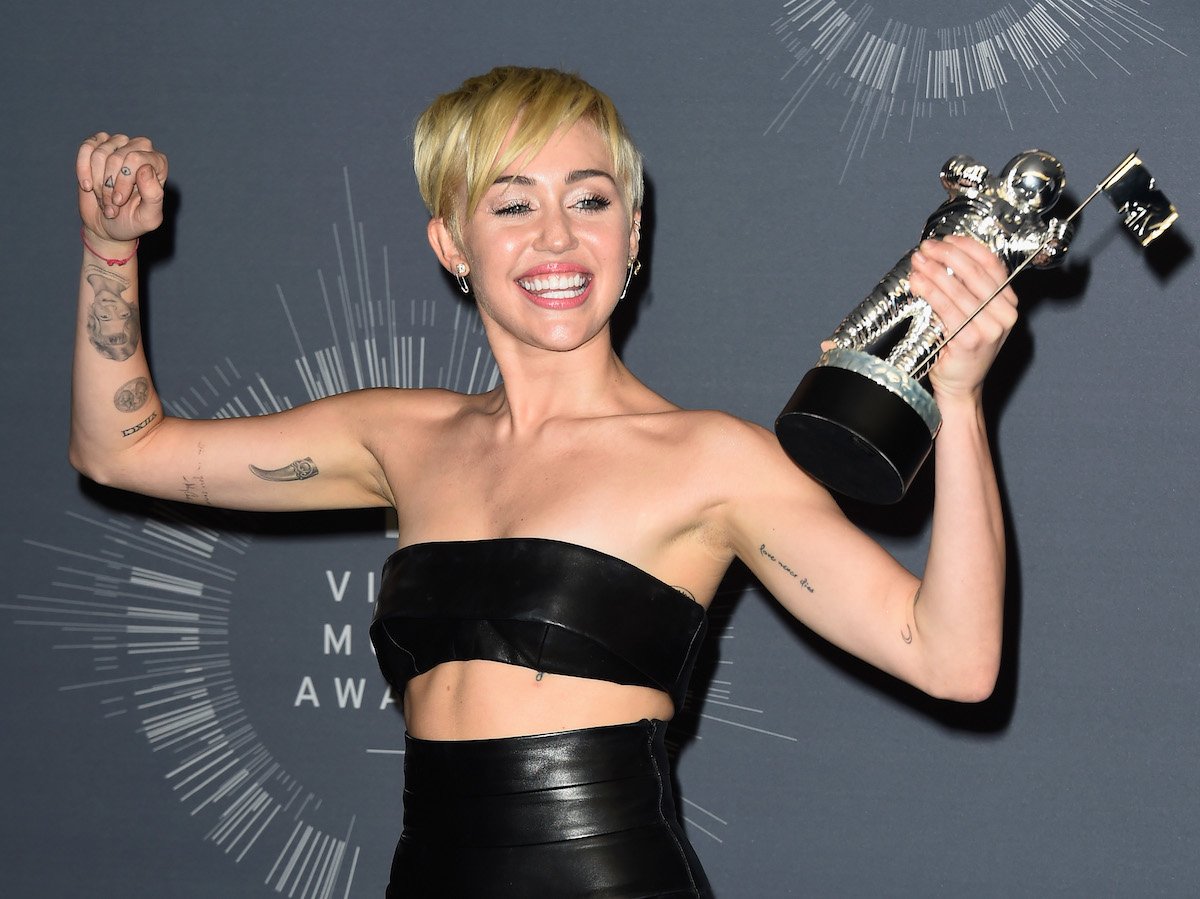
[(1144, 209)]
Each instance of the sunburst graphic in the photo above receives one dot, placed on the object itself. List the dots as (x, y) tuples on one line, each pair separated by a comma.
[(896, 74)]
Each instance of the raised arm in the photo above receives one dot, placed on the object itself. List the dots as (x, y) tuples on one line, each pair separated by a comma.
[(317, 456), (941, 633)]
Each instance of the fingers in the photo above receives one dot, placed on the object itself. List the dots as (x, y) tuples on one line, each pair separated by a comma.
[(83, 159), (958, 274), (122, 173), (150, 189)]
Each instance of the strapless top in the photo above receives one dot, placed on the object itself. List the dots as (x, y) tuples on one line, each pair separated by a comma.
[(544, 604)]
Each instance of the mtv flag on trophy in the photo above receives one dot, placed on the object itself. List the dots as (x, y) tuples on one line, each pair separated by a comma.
[(1144, 209)]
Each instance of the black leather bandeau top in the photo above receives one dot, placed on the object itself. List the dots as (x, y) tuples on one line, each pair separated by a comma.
[(544, 604)]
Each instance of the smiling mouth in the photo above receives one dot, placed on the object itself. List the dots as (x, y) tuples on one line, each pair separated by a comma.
[(566, 286)]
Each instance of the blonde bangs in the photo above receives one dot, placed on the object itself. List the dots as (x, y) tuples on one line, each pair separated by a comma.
[(457, 141)]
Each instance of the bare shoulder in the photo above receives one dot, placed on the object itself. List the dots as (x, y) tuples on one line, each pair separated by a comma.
[(389, 407), (723, 438)]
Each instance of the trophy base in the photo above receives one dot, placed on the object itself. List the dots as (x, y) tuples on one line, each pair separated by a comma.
[(855, 435)]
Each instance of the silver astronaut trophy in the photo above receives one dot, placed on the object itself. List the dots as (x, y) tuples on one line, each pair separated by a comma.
[(860, 421)]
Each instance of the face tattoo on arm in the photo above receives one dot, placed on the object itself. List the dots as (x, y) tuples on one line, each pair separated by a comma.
[(112, 324)]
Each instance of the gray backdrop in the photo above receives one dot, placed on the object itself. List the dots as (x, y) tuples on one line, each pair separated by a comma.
[(190, 704)]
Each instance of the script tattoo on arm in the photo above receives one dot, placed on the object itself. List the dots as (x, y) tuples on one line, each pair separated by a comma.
[(112, 321), (132, 395), (762, 550), (195, 490), (300, 470)]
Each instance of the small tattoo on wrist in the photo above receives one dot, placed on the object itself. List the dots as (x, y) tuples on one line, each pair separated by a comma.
[(299, 470), (906, 635), (141, 424), (132, 395)]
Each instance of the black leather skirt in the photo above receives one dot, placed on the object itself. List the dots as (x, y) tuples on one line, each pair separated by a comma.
[(578, 813)]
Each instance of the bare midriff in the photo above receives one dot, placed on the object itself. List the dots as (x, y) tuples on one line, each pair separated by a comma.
[(483, 700)]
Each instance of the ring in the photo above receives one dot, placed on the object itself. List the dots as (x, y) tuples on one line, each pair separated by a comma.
[(950, 271)]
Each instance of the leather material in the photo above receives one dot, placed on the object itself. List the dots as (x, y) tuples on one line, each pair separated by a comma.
[(579, 813), (543, 604)]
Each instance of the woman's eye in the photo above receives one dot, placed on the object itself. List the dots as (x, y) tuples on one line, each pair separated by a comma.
[(515, 207), (593, 203)]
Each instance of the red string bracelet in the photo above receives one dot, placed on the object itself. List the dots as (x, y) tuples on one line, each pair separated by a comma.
[(105, 259)]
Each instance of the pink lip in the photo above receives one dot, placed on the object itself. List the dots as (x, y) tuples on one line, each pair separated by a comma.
[(558, 304), (556, 268)]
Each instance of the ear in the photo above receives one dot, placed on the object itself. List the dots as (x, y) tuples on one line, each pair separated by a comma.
[(635, 234), (445, 247)]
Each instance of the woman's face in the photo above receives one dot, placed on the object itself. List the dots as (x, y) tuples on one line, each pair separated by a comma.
[(549, 244)]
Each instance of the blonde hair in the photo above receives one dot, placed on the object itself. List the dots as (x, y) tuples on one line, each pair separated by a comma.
[(457, 140)]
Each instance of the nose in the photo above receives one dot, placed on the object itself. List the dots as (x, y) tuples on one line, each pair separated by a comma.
[(556, 232)]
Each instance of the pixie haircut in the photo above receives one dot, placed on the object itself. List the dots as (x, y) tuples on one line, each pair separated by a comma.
[(456, 143)]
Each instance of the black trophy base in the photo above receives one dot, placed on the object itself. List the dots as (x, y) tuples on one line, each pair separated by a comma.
[(854, 435)]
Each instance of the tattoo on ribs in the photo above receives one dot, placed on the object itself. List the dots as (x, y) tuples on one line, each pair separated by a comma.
[(299, 470), (762, 549), (141, 424), (112, 321), (132, 395)]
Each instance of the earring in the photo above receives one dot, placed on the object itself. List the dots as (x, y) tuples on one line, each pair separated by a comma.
[(461, 277), (634, 267)]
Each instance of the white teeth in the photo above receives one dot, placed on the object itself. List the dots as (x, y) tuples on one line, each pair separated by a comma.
[(556, 287)]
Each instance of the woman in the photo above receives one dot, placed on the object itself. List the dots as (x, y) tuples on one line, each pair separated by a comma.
[(560, 535)]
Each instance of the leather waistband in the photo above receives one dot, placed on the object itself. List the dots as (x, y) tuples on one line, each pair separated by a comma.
[(536, 789)]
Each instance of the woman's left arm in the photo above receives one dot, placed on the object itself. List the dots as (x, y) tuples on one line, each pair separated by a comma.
[(943, 633)]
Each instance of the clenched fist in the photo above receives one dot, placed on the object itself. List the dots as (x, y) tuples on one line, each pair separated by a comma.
[(120, 186)]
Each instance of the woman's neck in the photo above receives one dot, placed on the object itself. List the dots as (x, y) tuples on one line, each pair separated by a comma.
[(540, 385)]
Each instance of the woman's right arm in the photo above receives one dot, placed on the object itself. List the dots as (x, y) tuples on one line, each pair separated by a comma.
[(317, 456)]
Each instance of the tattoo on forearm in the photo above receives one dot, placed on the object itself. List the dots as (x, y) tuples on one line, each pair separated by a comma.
[(112, 323), (132, 395), (300, 470), (762, 549), (141, 424)]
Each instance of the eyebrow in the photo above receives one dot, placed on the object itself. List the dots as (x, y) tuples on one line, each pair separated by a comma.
[(572, 177)]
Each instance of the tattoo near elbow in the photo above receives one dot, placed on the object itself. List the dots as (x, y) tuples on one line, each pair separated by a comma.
[(141, 424), (195, 490), (299, 470), (132, 395)]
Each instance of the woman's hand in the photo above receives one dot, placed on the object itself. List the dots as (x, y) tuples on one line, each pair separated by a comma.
[(954, 276), (120, 186)]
